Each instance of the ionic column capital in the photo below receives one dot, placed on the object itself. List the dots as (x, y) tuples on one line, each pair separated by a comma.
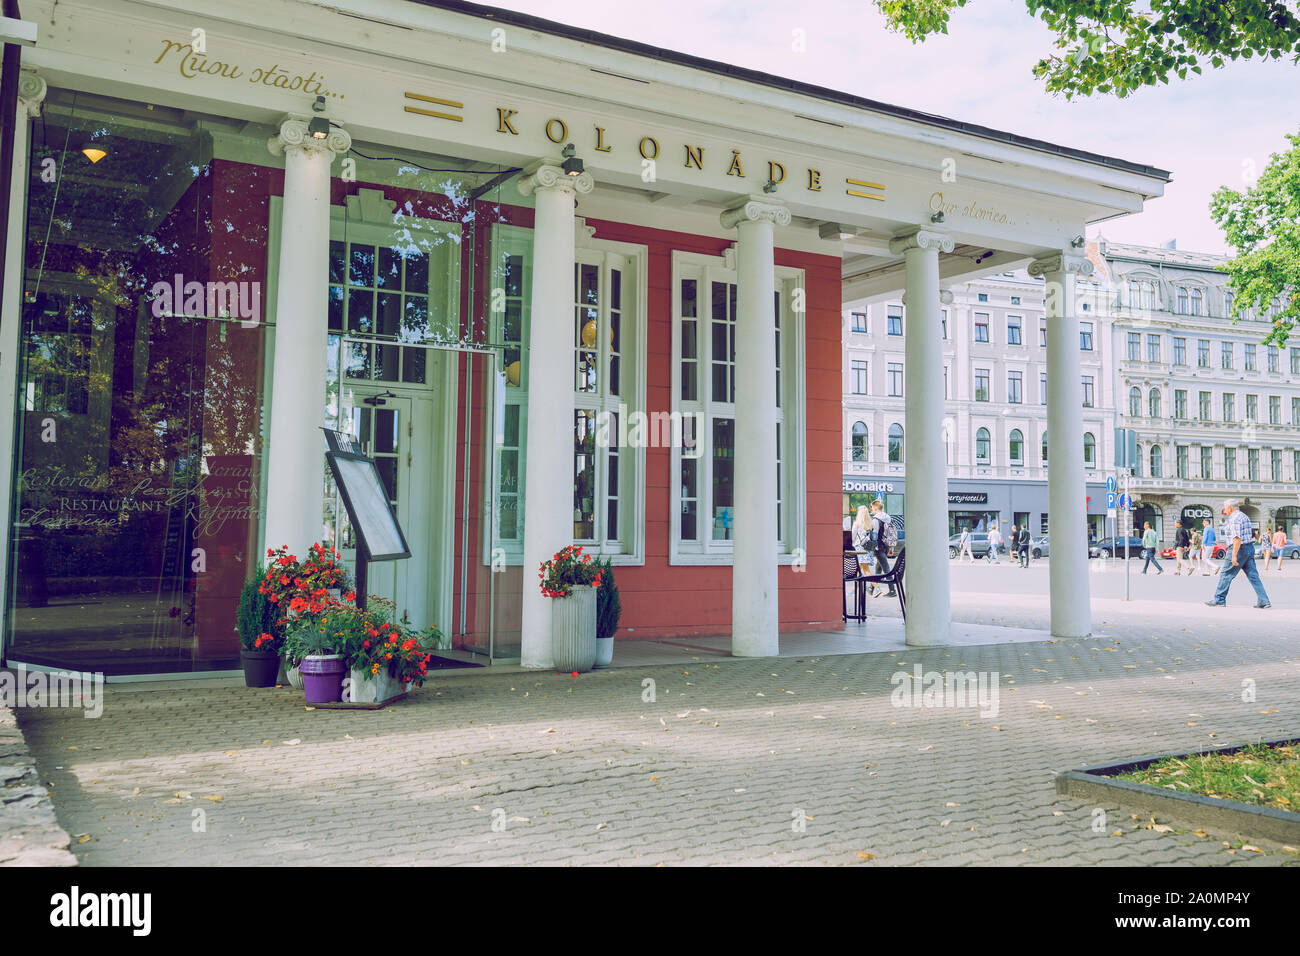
[(549, 174), (31, 92), (945, 297), (755, 209), (293, 135), (1061, 262), (918, 237)]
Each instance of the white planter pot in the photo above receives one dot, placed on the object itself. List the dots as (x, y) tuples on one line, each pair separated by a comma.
[(367, 688), (573, 629), (604, 651), (294, 676)]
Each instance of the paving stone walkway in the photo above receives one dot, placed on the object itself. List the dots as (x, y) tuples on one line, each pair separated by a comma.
[(733, 761)]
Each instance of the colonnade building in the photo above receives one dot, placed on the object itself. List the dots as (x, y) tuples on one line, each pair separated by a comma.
[(481, 243)]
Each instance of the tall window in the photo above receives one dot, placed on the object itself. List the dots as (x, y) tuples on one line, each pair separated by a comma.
[(858, 369), (1134, 346), (1013, 330), (1157, 461), (1204, 410), (1229, 407), (1295, 411), (1042, 334), (1227, 304), (1183, 300), (1203, 353), (1153, 348), (895, 379), (1044, 446), (1141, 294), (1250, 356), (1295, 360), (859, 321), (704, 343), (1153, 403), (1274, 360), (1206, 453), (860, 445), (894, 320), (1252, 464), (1085, 336), (1226, 355), (1230, 464), (1180, 351), (1180, 452), (1089, 450), (1087, 391), (1275, 464), (982, 446), (895, 442), (943, 324), (982, 385), (1252, 408), (981, 327), (1134, 402), (1042, 388), (1198, 300), (1180, 404), (1015, 382), (1016, 447)]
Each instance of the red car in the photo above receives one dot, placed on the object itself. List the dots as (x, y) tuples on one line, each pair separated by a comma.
[(1217, 554)]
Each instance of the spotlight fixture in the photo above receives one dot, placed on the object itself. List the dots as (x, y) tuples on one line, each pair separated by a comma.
[(93, 153), (1077, 242), (983, 256), (836, 230), (319, 127), (572, 164), (318, 105), (769, 186), (937, 216)]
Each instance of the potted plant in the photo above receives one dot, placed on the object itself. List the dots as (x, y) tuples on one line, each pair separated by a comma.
[(297, 588), (608, 610), (389, 657), (319, 649), (570, 579), (260, 635)]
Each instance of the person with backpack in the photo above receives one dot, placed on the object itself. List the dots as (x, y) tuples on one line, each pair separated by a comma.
[(886, 534)]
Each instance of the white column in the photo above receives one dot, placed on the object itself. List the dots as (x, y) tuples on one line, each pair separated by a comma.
[(31, 93), (548, 463), (1071, 609), (296, 452), (925, 505), (754, 619)]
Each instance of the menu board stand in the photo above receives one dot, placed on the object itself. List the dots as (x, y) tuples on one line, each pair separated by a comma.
[(378, 535)]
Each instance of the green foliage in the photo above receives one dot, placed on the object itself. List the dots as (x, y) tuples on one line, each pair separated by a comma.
[(1119, 46), (1262, 225), (608, 606), (256, 615)]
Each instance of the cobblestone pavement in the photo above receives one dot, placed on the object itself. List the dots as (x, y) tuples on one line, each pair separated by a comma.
[(719, 768)]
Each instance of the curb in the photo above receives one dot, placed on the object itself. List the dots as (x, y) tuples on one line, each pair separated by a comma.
[(1241, 820), (30, 834)]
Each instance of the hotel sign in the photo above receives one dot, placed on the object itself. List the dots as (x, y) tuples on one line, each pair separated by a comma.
[(968, 497)]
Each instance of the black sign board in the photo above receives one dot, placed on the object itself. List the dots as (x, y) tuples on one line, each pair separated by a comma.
[(379, 538), (968, 497)]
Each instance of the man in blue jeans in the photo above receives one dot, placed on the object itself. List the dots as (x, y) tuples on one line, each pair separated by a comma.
[(1239, 538)]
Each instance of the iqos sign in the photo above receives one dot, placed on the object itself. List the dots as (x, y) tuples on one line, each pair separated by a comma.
[(1198, 512)]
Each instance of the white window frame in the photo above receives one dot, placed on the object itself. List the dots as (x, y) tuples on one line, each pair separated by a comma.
[(629, 548), (792, 416)]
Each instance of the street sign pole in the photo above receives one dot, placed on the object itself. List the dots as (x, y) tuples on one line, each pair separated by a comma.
[(1128, 508)]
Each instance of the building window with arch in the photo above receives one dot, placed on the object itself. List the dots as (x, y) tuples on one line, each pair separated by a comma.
[(1141, 294), (860, 445), (1089, 450), (1016, 447), (896, 443), (982, 447), (1198, 301), (1134, 402), (1153, 403), (1157, 461), (1183, 300)]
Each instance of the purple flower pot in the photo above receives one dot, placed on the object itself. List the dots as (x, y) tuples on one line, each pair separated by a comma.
[(322, 678)]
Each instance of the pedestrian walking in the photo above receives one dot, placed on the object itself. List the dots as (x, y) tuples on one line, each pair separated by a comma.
[(1208, 541), (1266, 546), (880, 519), (1150, 541), (1024, 542), (1279, 542), (963, 547), (1194, 552), (1240, 557), (1182, 541), (995, 544), (1013, 544)]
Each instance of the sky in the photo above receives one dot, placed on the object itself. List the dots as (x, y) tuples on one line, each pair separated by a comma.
[(1211, 130)]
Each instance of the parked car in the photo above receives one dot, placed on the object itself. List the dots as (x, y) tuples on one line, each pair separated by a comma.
[(1114, 548), (1291, 550), (979, 545), (1038, 549)]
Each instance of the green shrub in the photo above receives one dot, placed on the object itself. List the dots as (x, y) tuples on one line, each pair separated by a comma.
[(608, 606)]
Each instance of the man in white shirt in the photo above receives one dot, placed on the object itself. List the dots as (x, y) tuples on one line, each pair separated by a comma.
[(1240, 540)]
